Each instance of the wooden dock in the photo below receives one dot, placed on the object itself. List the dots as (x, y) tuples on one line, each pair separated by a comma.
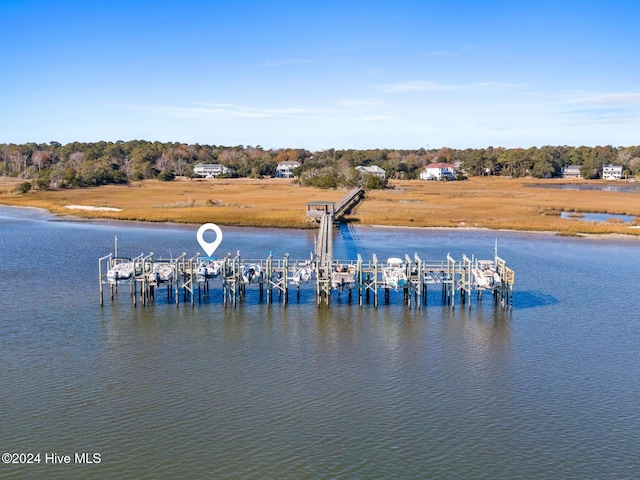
[(318, 209), (275, 278)]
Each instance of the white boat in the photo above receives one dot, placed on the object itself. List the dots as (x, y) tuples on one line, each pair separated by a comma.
[(344, 276), (303, 274), (121, 269), (162, 272), (394, 274), (251, 273), (485, 276), (208, 268)]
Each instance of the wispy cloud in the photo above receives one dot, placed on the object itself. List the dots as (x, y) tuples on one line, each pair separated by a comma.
[(359, 102), (414, 86), (340, 110), (497, 85), (430, 86), (600, 108), (601, 116), (238, 111), (603, 99)]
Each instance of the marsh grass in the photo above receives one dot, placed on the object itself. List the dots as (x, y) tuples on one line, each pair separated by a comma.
[(495, 203), (241, 202)]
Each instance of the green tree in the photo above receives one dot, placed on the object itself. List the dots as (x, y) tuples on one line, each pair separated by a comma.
[(23, 187), (546, 162), (374, 182), (515, 162)]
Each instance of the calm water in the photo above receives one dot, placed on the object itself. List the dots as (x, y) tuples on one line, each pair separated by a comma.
[(547, 390), (615, 187), (596, 217)]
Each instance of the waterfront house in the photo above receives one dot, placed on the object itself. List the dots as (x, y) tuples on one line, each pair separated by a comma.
[(438, 171), (373, 170), (285, 169), (210, 170), (612, 172), (571, 171)]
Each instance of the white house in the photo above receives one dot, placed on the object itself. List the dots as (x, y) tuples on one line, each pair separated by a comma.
[(438, 171), (210, 170), (571, 171), (285, 169), (373, 170), (612, 172)]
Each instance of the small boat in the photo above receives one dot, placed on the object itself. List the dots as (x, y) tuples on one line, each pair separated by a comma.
[(208, 268), (394, 274), (121, 269), (485, 276), (162, 273), (251, 273), (303, 274), (344, 276)]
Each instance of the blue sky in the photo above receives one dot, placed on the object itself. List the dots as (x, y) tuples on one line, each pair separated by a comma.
[(318, 75)]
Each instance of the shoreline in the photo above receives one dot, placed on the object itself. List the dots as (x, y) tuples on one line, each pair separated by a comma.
[(551, 233), (58, 217), (492, 204)]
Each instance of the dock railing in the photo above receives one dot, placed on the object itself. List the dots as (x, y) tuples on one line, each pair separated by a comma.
[(365, 278), (349, 200)]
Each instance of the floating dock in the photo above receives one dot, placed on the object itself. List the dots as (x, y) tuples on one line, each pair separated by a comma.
[(371, 280)]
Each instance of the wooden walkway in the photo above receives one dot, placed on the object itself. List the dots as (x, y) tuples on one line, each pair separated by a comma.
[(317, 210), (347, 202)]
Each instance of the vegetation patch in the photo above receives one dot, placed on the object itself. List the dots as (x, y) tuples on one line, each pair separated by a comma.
[(485, 202)]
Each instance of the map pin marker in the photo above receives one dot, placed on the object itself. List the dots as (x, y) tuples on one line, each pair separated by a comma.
[(209, 247)]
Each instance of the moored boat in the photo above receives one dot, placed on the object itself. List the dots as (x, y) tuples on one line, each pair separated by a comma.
[(394, 274), (162, 272), (343, 277), (485, 275), (121, 269), (251, 273), (208, 268)]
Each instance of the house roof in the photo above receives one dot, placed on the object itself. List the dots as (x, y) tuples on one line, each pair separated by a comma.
[(289, 162), (209, 165), (439, 165), (371, 169)]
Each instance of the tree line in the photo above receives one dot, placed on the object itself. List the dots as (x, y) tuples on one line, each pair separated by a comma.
[(53, 165)]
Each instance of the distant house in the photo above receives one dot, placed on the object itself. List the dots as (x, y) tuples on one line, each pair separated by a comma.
[(285, 169), (438, 171), (210, 170), (571, 171), (612, 172), (373, 170)]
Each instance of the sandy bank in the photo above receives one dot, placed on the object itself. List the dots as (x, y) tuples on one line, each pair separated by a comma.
[(89, 208)]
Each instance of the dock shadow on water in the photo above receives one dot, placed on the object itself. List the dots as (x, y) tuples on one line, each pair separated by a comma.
[(532, 299), (349, 241)]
